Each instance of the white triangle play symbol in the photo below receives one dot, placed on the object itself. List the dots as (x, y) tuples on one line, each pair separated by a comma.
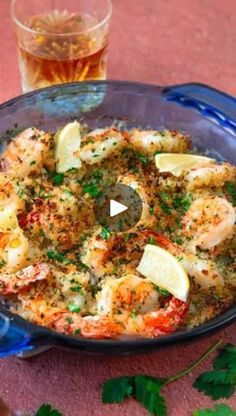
[(116, 208)]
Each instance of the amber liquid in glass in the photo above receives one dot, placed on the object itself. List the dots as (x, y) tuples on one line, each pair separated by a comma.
[(74, 55)]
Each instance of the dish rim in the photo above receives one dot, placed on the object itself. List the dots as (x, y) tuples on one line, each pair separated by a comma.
[(43, 335)]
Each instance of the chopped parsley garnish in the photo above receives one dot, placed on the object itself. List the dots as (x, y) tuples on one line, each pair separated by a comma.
[(20, 192), (53, 255), (69, 320), (33, 162), (165, 208), (72, 170), (105, 233), (77, 288), (94, 289), (182, 202), (142, 158), (127, 236), (157, 152), (162, 292), (151, 210), (77, 331), (58, 179), (73, 307), (91, 189), (60, 257), (152, 240), (81, 264), (121, 225), (178, 240), (231, 189), (97, 175), (2, 263), (133, 314), (68, 192), (83, 237)]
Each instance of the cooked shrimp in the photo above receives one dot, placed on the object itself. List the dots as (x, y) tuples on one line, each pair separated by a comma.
[(119, 256), (151, 141), (63, 282), (14, 282), (208, 222), (127, 306), (100, 144), (204, 272), (27, 153), (61, 217), (209, 175), (152, 324), (8, 194)]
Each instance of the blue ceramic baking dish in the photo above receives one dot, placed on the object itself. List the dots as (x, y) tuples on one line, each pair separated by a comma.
[(208, 115)]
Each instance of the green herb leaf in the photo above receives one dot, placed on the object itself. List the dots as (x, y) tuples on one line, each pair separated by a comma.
[(77, 288), (221, 381), (97, 175), (117, 389), (147, 392), (162, 292), (33, 162), (163, 198), (47, 410), (105, 233), (91, 189), (219, 410), (142, 158), (58, 179), (226, 359), (2, 263), (73, 307), (146, 389), (231, 189), (182, 202), (152, 240), (60, 257), (215, 384)]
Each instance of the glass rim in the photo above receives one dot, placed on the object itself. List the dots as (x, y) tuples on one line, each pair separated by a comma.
[(35, 32)]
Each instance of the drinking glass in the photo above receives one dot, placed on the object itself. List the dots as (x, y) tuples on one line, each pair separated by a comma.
[(61, 41)]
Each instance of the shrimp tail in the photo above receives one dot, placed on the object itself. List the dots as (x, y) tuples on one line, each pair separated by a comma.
[(14, 283)]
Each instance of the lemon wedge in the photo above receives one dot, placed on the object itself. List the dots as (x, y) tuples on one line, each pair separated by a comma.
[(8, 218), (67, 148), (164, 270), (176, 163)]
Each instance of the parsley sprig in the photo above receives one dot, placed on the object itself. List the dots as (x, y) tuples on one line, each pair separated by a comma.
[(47, 410), (221, 381), (219, 410), (145, 389)]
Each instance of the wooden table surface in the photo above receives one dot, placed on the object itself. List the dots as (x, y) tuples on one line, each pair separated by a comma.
[(162, 42)]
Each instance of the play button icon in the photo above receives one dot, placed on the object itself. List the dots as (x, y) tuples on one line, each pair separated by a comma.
[(118, 207)]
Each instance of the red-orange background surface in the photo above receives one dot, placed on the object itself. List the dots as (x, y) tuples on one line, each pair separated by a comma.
[(162, 42)]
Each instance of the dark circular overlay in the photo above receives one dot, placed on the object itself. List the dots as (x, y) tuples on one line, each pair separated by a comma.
[(124, 195)]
